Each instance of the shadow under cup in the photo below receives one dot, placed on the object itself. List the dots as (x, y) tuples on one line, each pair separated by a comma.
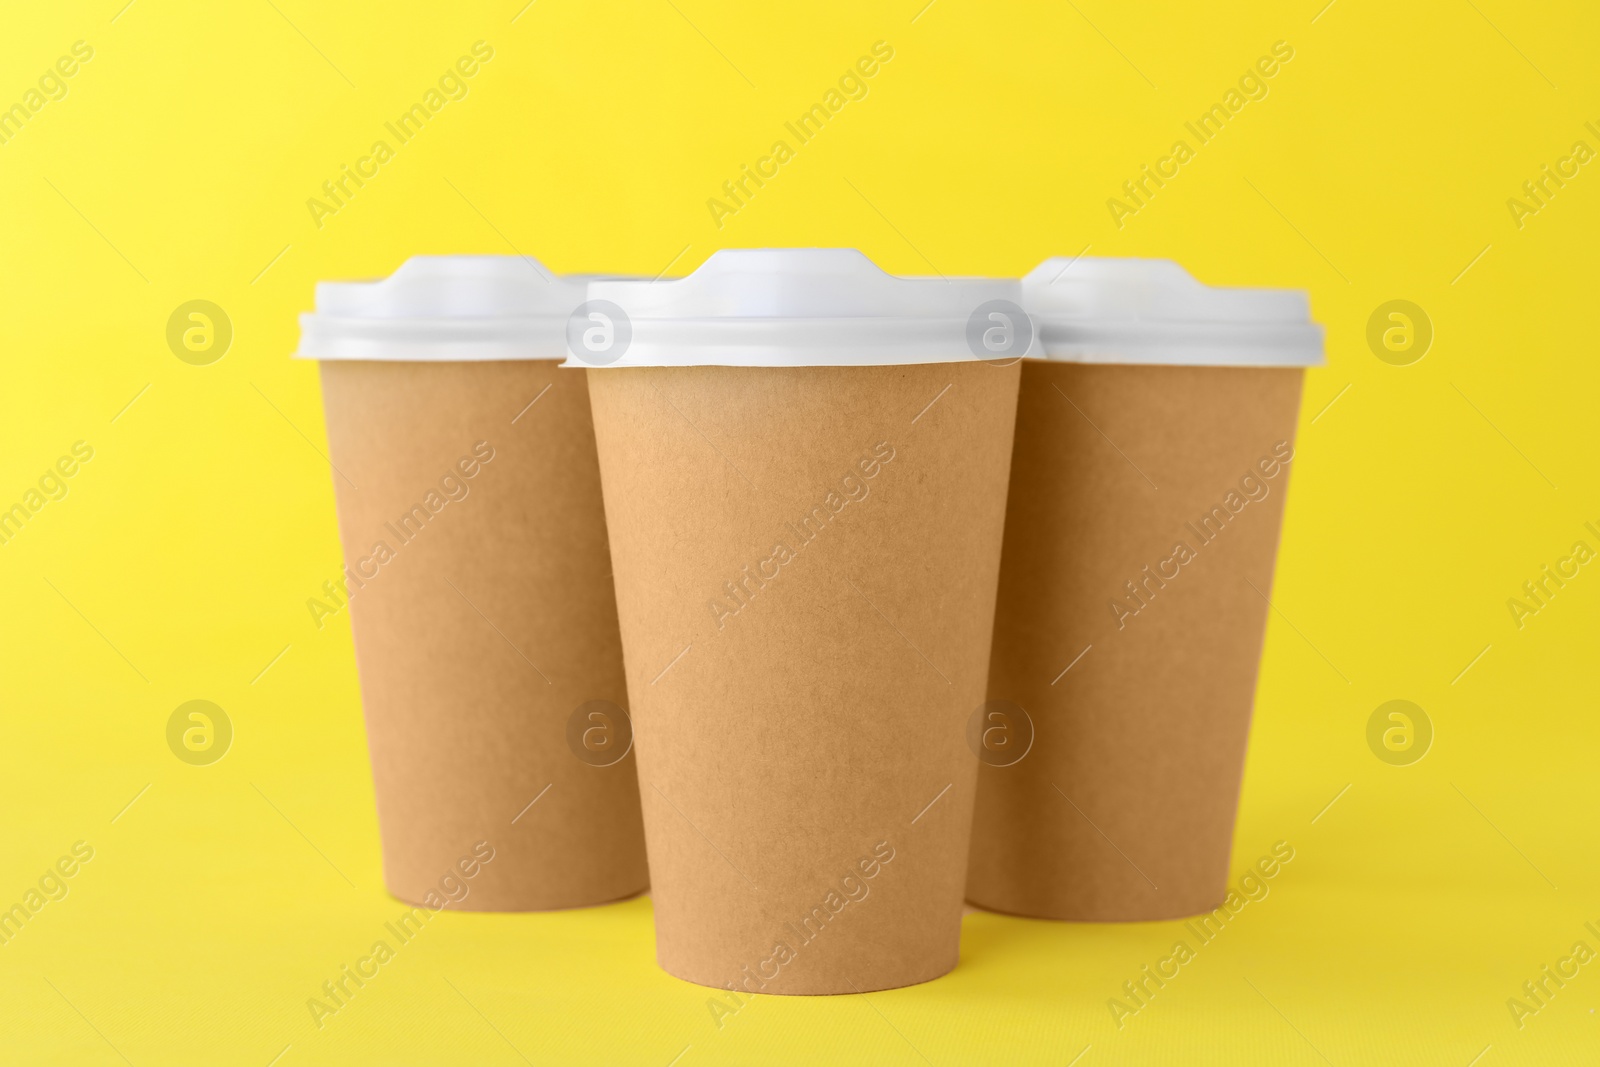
[(484, 620)]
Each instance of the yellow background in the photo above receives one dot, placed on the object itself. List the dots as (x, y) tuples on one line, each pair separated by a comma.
[(177, 567)]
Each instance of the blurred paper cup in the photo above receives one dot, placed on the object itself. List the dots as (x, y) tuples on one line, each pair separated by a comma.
[(478, 584), (1153, 451), (804, 462)]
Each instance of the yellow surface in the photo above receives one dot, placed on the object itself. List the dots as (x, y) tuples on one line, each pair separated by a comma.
[(177, 167)]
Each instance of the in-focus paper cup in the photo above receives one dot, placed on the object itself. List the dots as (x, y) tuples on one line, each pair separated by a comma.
[(478, 584), (1153, 452), (804, 462)]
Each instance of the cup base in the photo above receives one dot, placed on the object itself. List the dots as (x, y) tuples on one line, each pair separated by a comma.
[(512, 907), (1103, 915), (830, 987)]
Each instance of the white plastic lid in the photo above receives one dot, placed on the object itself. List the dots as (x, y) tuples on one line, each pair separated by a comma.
[(445, 308), (797, 307), (1093, 310)]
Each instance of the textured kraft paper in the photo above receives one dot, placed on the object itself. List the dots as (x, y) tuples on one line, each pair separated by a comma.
[(491, 621), (806, 783), (1123, 809)]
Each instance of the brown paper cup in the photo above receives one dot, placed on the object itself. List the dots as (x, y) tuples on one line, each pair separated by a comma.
[(805, 562), (1136, 671), (485, 632)]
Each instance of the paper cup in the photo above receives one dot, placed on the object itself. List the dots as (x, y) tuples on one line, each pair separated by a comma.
[(478, 584), (1153, 452), (805, 469)]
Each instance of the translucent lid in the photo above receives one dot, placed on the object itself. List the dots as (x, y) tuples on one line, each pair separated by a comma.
[(1092, 310), (797, 307), (464, 308)]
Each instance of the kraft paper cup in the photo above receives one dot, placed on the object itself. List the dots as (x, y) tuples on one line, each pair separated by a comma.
[(478, 584), (1154, 447), (804, 463)]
